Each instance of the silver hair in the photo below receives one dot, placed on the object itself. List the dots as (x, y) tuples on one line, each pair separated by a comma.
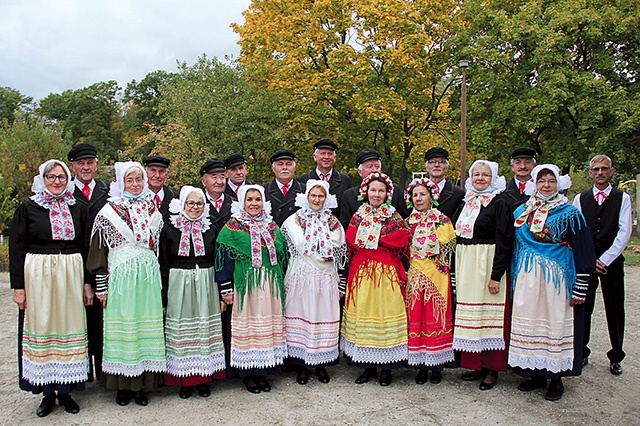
[(53, 164), (599, 158), (379, 161), (533, 158)]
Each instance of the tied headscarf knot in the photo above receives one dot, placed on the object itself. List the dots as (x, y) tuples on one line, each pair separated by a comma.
[(259, 231)]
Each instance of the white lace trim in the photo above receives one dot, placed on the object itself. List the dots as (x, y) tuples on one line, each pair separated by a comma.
[(372, 355), (120, 369), (260, 358), (541, 363), (430, 358), (313, 358), (54, 372), (478, 345), (195, 365)]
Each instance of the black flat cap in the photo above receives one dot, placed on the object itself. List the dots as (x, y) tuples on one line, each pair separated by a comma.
[(234, 160), (155, 160), (325, 143), (524, 152), (212, 165), (436, 151), (367, 154), (82, 150), (282, 154)]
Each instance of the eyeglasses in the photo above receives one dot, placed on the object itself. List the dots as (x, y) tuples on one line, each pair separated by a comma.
[(318, 197), (192, 204), (52, 178), (132, 181), (437, 162), (600, 169)]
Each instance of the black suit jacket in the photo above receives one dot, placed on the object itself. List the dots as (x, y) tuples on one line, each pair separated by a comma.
[(98, 200), (231, 193), (512, 195), (169, 194), (451, 198), (219, 219), (338, 184), (350, 204), (283, 206)]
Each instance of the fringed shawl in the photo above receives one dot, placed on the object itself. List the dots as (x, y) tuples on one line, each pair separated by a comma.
[(549, 248), (234, 242), (393, 245)]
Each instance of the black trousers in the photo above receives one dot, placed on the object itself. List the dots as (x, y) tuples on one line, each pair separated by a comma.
[(613, 297), (94, 335)]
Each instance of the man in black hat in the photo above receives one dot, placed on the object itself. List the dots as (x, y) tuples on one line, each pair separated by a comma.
[(523, 160), (282, 190), (157, 168), (236, 166), (325, 154), (368, 161), (92, 193), (436, 162), (214, 179)]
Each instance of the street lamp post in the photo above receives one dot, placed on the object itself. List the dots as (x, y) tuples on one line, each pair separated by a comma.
[(463, 64)]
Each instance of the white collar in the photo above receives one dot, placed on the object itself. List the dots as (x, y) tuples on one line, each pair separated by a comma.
[(80, 185)]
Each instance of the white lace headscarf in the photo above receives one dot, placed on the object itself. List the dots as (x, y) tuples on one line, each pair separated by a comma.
[(60, 218), (122, 169), (315, 223), (192, 229), (475, 199)]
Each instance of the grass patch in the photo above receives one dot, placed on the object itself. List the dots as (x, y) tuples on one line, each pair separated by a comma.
[(632, 252)]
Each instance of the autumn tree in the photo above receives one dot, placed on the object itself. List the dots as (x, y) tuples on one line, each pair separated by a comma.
[(559, 76), (373, 73)]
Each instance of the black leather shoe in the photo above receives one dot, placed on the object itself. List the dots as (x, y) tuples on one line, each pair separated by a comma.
[(367, 375), (203, 390), (323, 376), (251, 385), (123, 397), (555, 391), (615, 368), (585, 361), (141, 399), (484, 385), (264, 384), (533, 384), (436, 377), (46, 406), (422, 376), (185, 392), (385, 378), (473, 375), (70, 406), (303, 376)]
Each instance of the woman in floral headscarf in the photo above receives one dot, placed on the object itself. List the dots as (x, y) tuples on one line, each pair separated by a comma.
[(552, 260), (484, 232), (317, 248), (374, 326), (251, 257), (46, 249), (193, 330), (428, 295), (122, 255)]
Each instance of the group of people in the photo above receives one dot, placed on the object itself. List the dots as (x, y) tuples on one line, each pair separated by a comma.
[(141, 285)]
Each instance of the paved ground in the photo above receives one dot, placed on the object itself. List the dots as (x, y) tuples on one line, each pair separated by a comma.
[(596, 397)]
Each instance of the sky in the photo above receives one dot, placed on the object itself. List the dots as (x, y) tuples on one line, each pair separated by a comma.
[(48, 46)]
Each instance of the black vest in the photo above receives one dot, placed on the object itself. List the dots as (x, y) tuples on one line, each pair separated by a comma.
[(602, 220)]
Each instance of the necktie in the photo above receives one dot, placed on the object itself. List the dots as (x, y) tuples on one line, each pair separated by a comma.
[(218, 204), (86, 191), (158, 201), (521, 186), (325, 177), (285, 189), (600, 197)]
